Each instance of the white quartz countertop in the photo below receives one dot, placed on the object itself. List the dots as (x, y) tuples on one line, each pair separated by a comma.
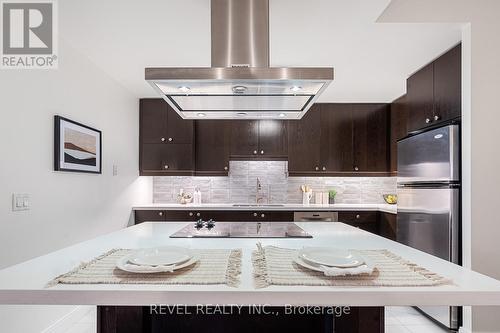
[(25, 283), (281, 207)]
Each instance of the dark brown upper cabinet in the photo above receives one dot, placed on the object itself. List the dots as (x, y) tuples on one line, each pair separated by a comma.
[(370, 140), (304, 142), (166, 140), (212, 147), (398, 129), (159, 123), (339, 139), (262, 139), (434, 92), (336, 138), (448, 85)]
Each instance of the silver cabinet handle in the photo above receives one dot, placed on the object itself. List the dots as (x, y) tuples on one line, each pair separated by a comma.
[(356, 168), (226, 168), (160, 213), (198, 214), (437, 117), (317, 168), (165, 167), (190, 214), (162, 139), (324, 168), (357, 216), (170, 139), (254, 214), (255, 152), (427, 120), (262, 215), (262, 152)]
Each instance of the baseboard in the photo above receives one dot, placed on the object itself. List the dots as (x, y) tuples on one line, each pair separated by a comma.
[(464, 330), (67, 321)]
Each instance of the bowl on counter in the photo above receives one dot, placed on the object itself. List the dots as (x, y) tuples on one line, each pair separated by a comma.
[(391, 199)]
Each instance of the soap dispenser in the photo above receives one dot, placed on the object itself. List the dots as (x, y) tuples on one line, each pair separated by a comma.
[(197, 196)]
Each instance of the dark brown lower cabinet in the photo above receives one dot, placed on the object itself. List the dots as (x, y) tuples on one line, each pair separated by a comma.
[(217, 215), (388, 226), (150, 319), (367, 221), (380, 223)]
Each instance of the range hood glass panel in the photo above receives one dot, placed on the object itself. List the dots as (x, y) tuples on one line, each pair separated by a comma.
[(254, 87), (241, 103)]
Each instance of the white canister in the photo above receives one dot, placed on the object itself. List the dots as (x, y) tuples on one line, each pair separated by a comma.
[(325, 198), (306, 198), (318, 198)]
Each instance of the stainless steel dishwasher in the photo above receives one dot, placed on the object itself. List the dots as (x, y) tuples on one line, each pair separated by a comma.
[(316, 217)]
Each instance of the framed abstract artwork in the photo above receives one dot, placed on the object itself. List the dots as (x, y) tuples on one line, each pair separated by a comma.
[(77, 147)]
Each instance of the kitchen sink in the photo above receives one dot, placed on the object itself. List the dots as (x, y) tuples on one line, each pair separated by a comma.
[(258, 205), (243, 230)]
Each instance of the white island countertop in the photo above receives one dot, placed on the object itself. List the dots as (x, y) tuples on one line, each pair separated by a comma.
[(25, 283), (273, 207)]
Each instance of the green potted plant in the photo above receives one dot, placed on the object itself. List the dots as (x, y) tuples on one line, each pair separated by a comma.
[(331, 196)]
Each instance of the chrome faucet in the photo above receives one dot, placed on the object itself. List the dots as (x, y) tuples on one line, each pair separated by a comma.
[(258, 198)]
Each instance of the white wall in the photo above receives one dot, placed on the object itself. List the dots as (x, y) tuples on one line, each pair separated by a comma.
[(481, 161), (65, 207)]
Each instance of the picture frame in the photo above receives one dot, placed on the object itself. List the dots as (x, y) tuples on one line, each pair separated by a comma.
[(77, 147)]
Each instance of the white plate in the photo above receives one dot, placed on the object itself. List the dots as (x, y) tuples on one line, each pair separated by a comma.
[(330, 257), (366, 268), (125, 265), (169, 255)]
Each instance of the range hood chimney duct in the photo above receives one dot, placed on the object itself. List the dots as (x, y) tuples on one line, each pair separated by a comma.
[(240, 33)]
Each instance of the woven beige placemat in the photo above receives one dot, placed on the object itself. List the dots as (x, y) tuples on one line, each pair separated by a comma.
[(216, 266), (275, 266)]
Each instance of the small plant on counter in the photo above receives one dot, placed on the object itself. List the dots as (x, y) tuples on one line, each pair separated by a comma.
[(331, 196)]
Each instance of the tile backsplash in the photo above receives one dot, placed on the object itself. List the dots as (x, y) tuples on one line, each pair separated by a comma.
[(277, 187)]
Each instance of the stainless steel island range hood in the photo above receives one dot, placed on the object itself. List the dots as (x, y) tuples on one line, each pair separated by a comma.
[(240, 84)]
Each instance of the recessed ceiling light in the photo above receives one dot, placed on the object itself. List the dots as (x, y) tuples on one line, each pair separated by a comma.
[(295, 88), (184, 89), (202, 115), (438, 136), (282, 115), (241, 114)]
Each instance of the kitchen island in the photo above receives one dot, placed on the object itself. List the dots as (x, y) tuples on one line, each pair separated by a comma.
[(25, 283)]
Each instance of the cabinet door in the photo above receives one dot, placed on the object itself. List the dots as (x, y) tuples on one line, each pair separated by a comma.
[(212, 147), (178, 130), (166, 158), (388, 226), (336, 138), (398, 129), (149, 216), (244, 138), (420, 98), (448, 85), (273, 142), (370, 137), (178, 157), (304, 142), (153, 120)]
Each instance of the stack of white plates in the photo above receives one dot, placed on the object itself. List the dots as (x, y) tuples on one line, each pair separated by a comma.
[(157, 260), (332, 261)]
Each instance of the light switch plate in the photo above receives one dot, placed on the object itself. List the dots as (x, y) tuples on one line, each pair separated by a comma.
[(20, 201)]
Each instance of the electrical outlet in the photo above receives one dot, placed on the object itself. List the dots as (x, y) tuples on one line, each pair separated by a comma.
[(20, 201), (115, 170)]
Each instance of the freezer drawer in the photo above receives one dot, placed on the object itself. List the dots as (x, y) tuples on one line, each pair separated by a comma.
[(428, 220), (430, 157)]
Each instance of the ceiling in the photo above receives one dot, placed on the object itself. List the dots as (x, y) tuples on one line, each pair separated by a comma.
[(371, 60)]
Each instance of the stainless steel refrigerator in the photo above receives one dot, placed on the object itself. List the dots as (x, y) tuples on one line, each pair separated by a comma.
[(429, 201)]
